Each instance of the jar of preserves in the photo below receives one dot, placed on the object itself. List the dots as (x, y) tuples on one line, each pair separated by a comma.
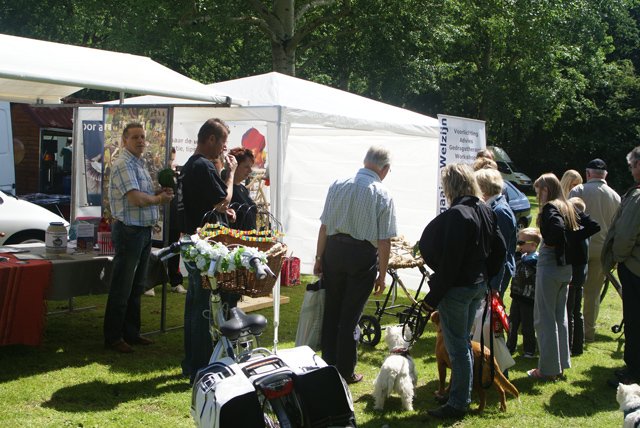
[(56, 238)]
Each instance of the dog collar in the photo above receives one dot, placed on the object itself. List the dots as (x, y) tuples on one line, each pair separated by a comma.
[(401, 351), (631, 410)]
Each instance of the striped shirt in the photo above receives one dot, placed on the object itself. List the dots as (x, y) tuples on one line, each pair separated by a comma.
[(128, 173), (361, 207)]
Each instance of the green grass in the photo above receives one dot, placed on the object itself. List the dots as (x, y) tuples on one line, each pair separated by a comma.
[(72, 381)]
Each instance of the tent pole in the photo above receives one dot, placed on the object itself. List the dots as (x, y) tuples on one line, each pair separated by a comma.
[(121, 98)]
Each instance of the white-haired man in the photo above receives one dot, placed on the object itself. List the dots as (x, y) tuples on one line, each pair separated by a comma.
[(601, 202), (352, 254)]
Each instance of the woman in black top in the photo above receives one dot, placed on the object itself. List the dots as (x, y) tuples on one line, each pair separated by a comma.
[(557, 219), (465, 249), (241, 201)]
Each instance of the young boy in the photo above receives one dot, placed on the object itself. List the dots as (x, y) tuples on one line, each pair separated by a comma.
[(523, 292)]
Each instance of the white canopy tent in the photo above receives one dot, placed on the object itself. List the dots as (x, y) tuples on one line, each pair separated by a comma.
[(316, 134), (39, 72)]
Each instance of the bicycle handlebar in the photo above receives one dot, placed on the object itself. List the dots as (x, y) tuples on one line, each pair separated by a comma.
[(262, 270), (167, 252)]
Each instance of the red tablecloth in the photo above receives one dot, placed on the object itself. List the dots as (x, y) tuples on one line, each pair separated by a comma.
[(23, 285)]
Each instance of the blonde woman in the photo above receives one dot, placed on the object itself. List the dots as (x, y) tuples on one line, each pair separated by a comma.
[(552, 280), (570, 179), (465, 249)]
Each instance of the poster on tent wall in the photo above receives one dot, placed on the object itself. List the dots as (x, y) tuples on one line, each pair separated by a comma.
[(93, 145), (250, 135), (154, 122), (460, 140)]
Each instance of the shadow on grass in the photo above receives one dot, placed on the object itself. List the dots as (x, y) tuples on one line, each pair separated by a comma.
[(74, 340), (101, 396), (595, 397)]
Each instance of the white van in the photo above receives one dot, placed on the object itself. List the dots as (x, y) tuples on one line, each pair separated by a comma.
[(508, 169)]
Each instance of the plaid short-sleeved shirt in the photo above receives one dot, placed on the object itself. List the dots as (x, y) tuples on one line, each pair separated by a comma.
[(361, 207), (129, 173)]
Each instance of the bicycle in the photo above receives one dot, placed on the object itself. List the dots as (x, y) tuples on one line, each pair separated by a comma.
[(247, 385)]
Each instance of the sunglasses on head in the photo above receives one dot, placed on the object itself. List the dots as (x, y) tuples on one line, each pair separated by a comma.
[(526, 242)]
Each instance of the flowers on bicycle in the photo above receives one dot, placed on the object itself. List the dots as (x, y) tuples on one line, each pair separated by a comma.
[(212, 257)]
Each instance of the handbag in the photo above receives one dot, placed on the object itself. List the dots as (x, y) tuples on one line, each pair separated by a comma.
[(311, 316)]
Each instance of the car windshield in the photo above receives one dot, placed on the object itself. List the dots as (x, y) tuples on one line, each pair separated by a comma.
[(512, 166), (512, 193), (503, 167)]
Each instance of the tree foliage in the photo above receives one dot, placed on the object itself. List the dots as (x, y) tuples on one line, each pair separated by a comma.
[(555, 80)]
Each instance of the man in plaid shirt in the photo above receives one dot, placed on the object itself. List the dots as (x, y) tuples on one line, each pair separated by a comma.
[(134, 207)]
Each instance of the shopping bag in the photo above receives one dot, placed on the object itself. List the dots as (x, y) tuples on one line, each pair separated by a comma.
[(500, 350), (311, 315), (290, 272)]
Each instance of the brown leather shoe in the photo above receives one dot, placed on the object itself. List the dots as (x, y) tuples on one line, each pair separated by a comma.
[(354, 378), (121, 346), (141, 340)]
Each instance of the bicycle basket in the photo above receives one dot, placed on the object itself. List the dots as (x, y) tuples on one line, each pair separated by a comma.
[(243, 281)]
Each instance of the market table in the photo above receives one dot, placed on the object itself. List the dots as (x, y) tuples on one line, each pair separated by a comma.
[(24, 286)]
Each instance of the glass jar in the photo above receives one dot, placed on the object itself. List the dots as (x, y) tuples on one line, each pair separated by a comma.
[(56, 238)]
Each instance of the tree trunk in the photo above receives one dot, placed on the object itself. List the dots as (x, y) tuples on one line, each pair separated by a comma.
[(284, 60)]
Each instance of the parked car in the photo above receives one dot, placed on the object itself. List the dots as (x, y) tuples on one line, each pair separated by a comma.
[(519, 204), (22, 221)]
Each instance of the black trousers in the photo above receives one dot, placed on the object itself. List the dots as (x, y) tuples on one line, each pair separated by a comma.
[(521, 315), (630, 298), (574, 309), (349, 270)]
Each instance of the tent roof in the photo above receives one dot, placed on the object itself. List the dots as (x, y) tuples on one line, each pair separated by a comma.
[(281, 90), (313, 103), (35, 71)]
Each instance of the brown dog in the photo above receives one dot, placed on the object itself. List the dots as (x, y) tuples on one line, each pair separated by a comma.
[(500, 383)]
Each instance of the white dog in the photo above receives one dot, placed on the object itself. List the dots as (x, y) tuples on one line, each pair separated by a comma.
[(628, 397), (398, 372)]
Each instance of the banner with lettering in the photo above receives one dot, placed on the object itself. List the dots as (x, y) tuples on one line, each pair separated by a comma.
[(460, 139)]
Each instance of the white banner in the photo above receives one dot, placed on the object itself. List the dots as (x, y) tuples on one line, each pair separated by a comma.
[(460, 140)]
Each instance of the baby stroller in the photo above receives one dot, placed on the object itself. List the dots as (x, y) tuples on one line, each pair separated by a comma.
[(402, 257)]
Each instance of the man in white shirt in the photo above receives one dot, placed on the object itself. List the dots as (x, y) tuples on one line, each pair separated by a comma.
[(354, 242)]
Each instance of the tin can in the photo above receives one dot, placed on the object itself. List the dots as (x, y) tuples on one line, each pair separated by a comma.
[(56, 238)]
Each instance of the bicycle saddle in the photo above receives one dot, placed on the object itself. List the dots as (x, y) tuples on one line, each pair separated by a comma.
[(239, 323)]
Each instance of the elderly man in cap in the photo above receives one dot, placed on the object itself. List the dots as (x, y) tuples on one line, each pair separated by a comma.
[(601, 202)]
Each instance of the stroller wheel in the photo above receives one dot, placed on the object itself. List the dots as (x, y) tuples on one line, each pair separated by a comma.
[(369, 330), (413, 319)]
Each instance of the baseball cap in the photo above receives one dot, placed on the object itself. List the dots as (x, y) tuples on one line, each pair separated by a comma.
[(597, 164)]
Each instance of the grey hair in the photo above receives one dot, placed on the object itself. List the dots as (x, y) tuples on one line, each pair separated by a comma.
[(598, 173), (378, 156), (490, 181), (634, 155)]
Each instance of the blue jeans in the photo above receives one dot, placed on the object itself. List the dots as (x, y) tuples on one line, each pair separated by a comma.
[(130, 263), (198, 344), (457, 311)]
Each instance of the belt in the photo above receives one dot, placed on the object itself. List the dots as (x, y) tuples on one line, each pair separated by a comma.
[(348, 239)]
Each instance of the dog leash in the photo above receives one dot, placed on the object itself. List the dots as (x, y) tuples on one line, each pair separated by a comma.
[(487, 305)]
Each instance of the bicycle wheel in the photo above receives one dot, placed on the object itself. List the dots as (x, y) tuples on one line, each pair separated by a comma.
[(369, 330)]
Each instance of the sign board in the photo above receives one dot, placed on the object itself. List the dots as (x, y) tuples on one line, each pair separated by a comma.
[(460, 140)]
